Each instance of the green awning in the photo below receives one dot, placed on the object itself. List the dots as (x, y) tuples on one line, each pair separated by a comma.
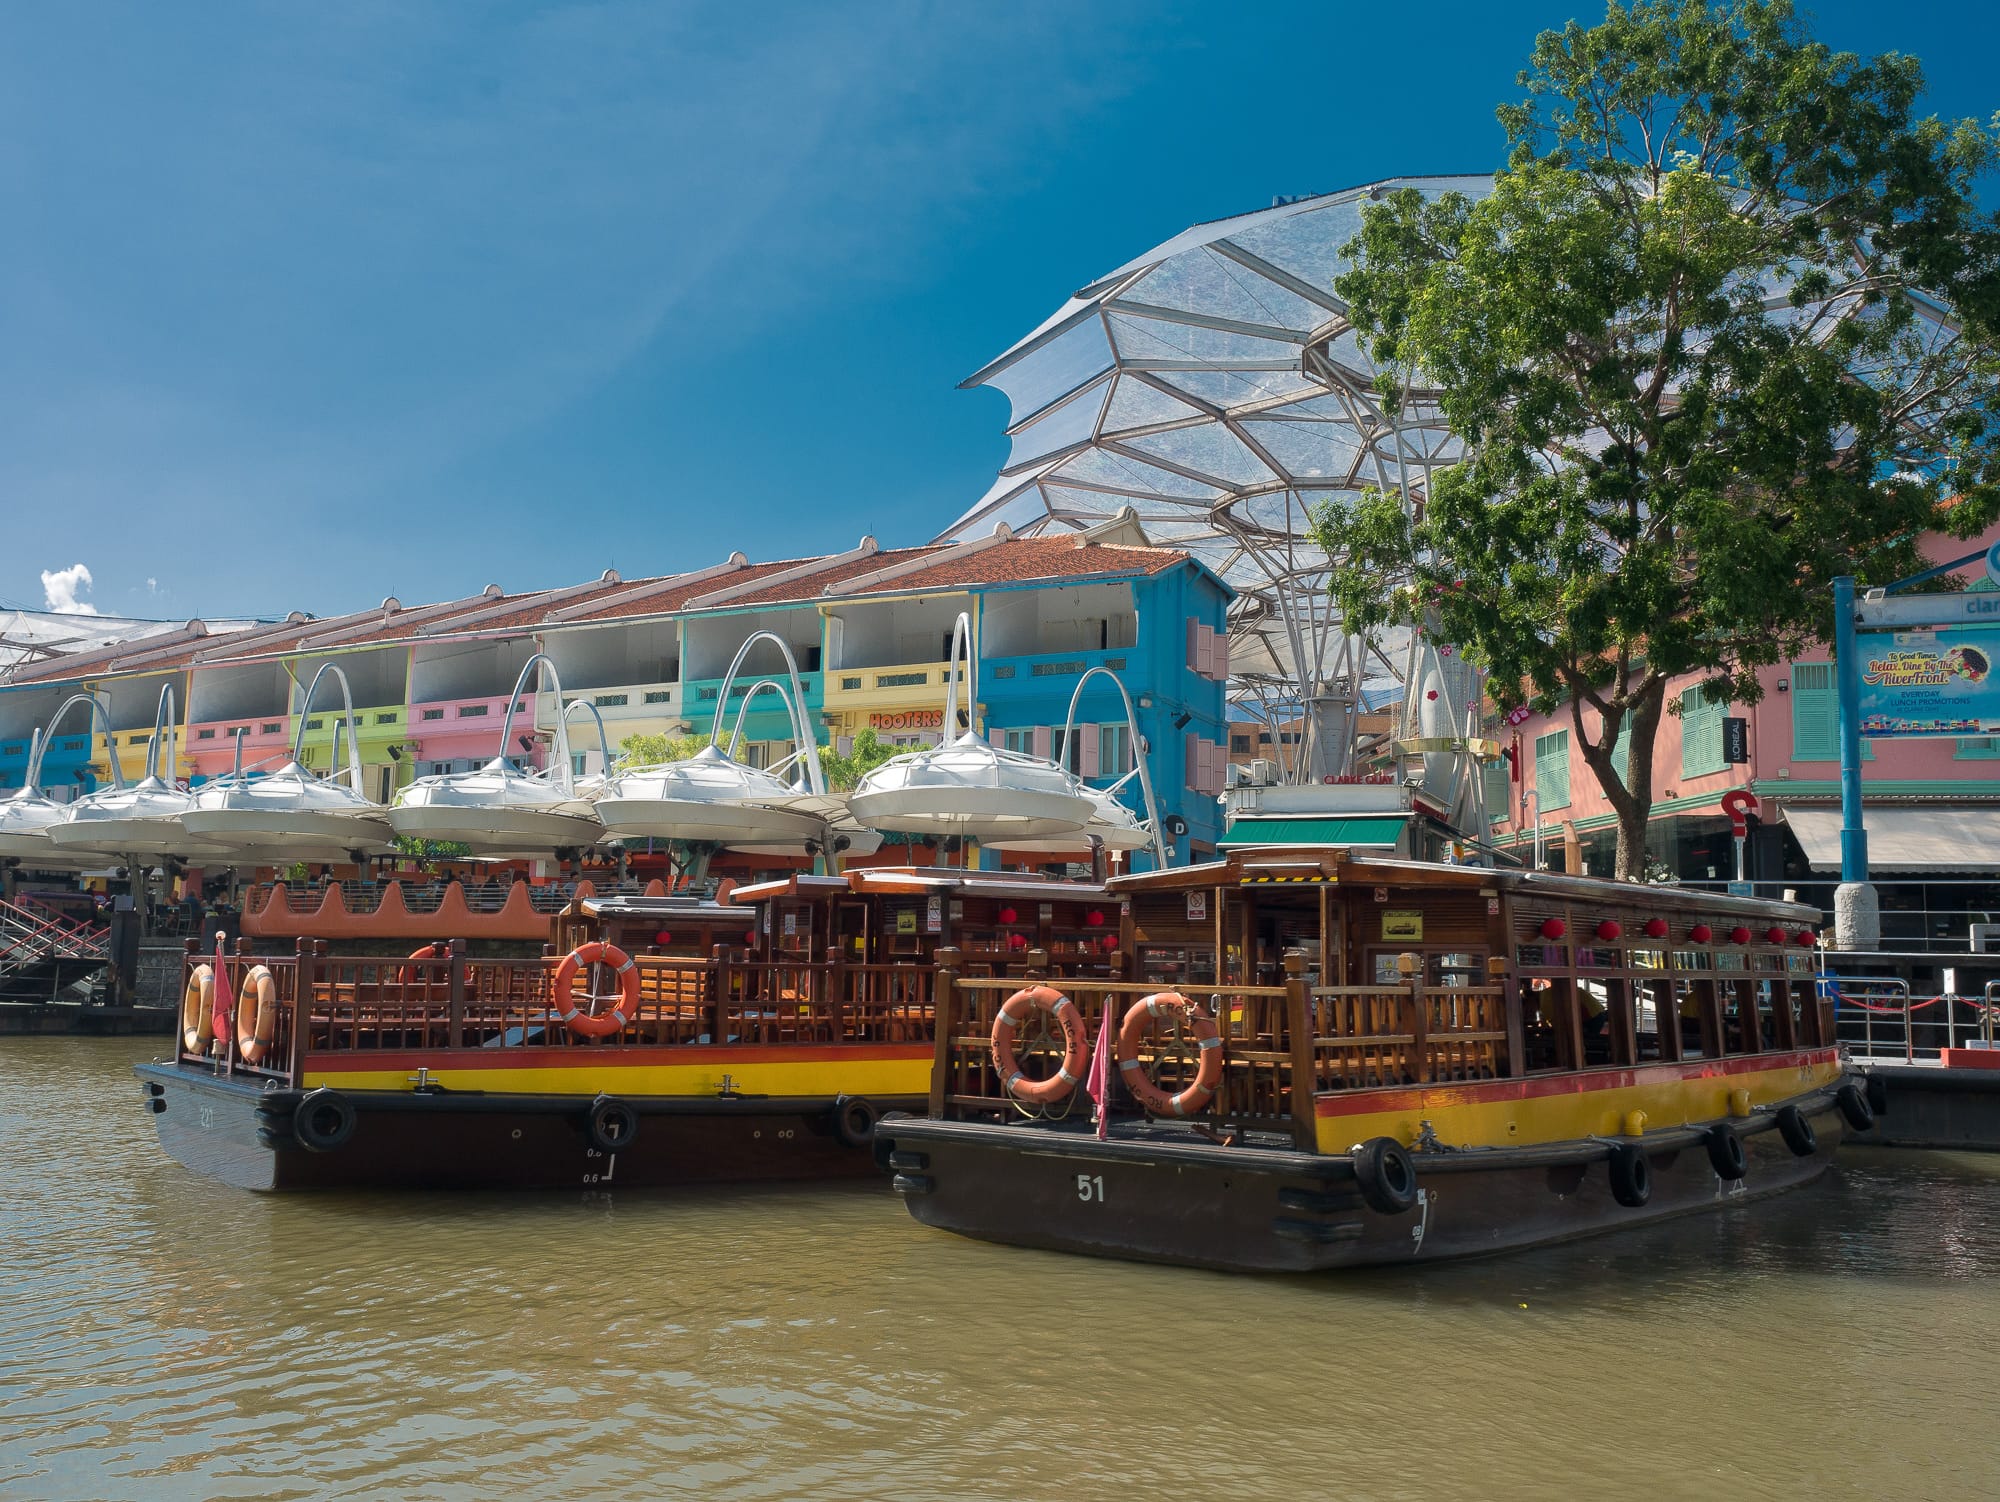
[(1380, 830)]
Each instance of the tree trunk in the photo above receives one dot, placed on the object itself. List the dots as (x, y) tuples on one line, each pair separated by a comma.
[(1632, 841)]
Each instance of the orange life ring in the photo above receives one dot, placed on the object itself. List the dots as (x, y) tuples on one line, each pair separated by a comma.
[(1138, 1022), (256, 1024), (197, 1028), (1058, 1086), (591, 1024), (408, 977)]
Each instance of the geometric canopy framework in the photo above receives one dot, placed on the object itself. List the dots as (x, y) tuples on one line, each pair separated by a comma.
[(1214, 387)]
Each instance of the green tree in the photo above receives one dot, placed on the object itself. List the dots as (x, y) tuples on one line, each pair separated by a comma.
[(642, 750), (1683, 346), (844, 773), (428, 855)]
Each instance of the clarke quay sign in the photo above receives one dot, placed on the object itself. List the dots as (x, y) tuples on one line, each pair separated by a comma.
[(1939, 682)]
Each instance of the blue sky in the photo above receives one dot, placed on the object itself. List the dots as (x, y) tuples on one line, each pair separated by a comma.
[(304, 306)]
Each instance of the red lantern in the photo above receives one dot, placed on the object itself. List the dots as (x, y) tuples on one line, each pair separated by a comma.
[(1094, 918), (1656, 928), (1701, 933), (1739, 935), (1608, 930), (1008, 915), (1553, 928), (1108, 943), (1805, 938), (1774, 935), (663, 937)]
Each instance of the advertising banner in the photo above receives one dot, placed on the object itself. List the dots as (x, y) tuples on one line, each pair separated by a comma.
[(1938, 682)]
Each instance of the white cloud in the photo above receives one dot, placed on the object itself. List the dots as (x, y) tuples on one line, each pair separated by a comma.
[(59, 587)]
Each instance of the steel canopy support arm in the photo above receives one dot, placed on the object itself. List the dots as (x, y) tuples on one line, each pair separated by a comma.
[(1138, 752), (809, 743), (353, 741), (97, 713)]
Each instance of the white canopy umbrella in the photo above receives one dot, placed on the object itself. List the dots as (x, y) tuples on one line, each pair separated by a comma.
[(293, 814), (28, 814), (967, 787), (143, 818), (497, 809), (711, 797)]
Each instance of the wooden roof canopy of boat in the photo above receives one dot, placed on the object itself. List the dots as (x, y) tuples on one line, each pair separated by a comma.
[(913, 881), (1277, 867)]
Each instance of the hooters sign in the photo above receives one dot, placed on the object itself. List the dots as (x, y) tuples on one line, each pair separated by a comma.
[(908, 719)]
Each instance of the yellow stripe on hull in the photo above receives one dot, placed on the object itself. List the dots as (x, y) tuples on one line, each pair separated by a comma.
[(1564, 1108), (871, 1077)]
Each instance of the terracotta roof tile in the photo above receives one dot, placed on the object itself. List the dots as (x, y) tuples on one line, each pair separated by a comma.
[(1025, 559), (1017, 561)]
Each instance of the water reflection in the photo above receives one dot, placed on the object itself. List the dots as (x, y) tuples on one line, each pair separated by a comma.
[(168, 1337)]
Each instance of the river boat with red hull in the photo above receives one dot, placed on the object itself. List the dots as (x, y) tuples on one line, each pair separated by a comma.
[(1325, 1062), (755, 1040)]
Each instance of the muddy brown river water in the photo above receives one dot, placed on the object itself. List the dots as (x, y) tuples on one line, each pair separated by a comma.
[(165, 1337)]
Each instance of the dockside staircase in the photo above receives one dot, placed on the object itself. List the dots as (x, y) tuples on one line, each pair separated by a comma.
[(44, 953)]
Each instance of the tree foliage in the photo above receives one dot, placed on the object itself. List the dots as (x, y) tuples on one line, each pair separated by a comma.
[(647, 750), (844, 773), (1684, 346)]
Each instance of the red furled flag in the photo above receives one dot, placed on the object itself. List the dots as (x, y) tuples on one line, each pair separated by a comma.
[(1098, 1083), (225, 998)]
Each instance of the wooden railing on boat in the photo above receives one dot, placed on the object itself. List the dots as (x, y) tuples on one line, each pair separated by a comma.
[(451, 1002)]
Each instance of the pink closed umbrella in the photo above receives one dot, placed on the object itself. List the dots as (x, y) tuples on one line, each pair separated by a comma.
[(225, 997)]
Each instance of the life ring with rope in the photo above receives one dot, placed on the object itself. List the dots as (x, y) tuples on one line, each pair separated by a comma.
[(256, 1023), (1014, 1011), (197, 1027), (588, 1024), (1132, 1037)]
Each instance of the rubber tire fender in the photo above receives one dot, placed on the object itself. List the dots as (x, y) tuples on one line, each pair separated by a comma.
[(1878, 1094), (854, 1118), (1798, 1132), (611, 1124), (323, 1120), (1386, 1174), (1855, 1108), (1632, 1175), (1725, 1153)]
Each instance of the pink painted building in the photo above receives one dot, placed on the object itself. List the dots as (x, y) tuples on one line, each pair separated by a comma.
[(1932, 806)]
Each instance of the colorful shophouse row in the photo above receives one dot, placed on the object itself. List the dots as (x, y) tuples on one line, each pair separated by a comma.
[(870, 630), (1932, 807)]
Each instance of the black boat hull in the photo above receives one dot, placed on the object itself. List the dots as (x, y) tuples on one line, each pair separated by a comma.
[(1273, 1209), (234, 1130)]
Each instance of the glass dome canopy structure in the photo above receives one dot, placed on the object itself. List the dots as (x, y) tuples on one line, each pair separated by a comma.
[(1215, 387)]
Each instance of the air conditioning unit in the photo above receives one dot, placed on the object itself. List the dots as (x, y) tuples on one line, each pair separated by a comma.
[(1263, 773), (1233, 774), (1986, 938)]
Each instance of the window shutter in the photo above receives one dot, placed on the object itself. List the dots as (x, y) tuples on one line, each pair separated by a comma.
[(1042, 734), (1191, 760), (1221, 663), (1552, 770), (1495, 773), (1193, 644), (1815, 712), (1701, 732), (1087, 737), (1621, 752)]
